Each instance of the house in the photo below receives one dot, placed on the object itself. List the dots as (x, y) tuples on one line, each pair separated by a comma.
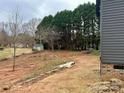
[(112, 38)]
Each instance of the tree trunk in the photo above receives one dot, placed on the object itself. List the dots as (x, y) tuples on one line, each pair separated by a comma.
[(14, 56), (58, 45), (52, 46)]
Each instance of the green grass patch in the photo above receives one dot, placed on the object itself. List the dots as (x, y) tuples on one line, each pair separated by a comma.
[(95, 52)]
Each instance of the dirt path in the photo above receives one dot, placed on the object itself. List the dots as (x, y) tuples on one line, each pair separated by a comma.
[(73, 80)]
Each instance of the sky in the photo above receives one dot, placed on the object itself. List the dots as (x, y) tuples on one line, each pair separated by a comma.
[(29, 9)]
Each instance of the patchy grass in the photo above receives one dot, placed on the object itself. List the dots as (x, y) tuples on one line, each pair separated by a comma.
[(74, 80), (95, 52), (8, 52), (5, 53), (49, 62)]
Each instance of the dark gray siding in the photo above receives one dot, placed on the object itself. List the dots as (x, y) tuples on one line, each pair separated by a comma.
[(112, 31)]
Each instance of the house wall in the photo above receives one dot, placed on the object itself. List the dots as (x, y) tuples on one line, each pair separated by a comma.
[(112, 31), (112, 38)]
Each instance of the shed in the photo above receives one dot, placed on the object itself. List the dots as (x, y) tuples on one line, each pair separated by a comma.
[(38, 47), (112, 37)]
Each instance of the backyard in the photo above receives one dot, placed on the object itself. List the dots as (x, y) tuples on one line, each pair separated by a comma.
[(29, 69)]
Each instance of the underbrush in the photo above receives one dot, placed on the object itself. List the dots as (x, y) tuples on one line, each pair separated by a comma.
[(95, 52)]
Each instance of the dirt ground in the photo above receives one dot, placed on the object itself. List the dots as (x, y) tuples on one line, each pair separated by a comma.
[(73, 80)]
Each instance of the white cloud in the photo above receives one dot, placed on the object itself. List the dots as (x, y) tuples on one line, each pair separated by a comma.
[(37, 8), (74, 3)]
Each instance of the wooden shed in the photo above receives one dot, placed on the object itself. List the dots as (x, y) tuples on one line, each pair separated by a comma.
[(111, 13)]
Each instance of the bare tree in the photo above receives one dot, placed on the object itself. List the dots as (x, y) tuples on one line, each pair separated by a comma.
[(4, 38), (52, 35), (25, 38), (15, 23), (41, 35), (31, 28), (49, 35)]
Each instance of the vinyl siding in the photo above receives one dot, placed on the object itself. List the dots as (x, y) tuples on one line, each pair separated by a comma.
[(112, 31)]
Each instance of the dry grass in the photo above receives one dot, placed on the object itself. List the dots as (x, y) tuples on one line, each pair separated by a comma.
[(5, 53), (8, 52), (49, 63)]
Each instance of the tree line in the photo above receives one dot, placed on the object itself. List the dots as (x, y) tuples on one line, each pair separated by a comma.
[(24, 33), (71, 30)]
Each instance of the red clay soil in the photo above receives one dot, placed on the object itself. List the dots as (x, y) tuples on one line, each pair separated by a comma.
[(73, 80)]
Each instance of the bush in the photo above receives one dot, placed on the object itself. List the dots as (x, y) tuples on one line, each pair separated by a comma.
[(1, 48), (96, 52)]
